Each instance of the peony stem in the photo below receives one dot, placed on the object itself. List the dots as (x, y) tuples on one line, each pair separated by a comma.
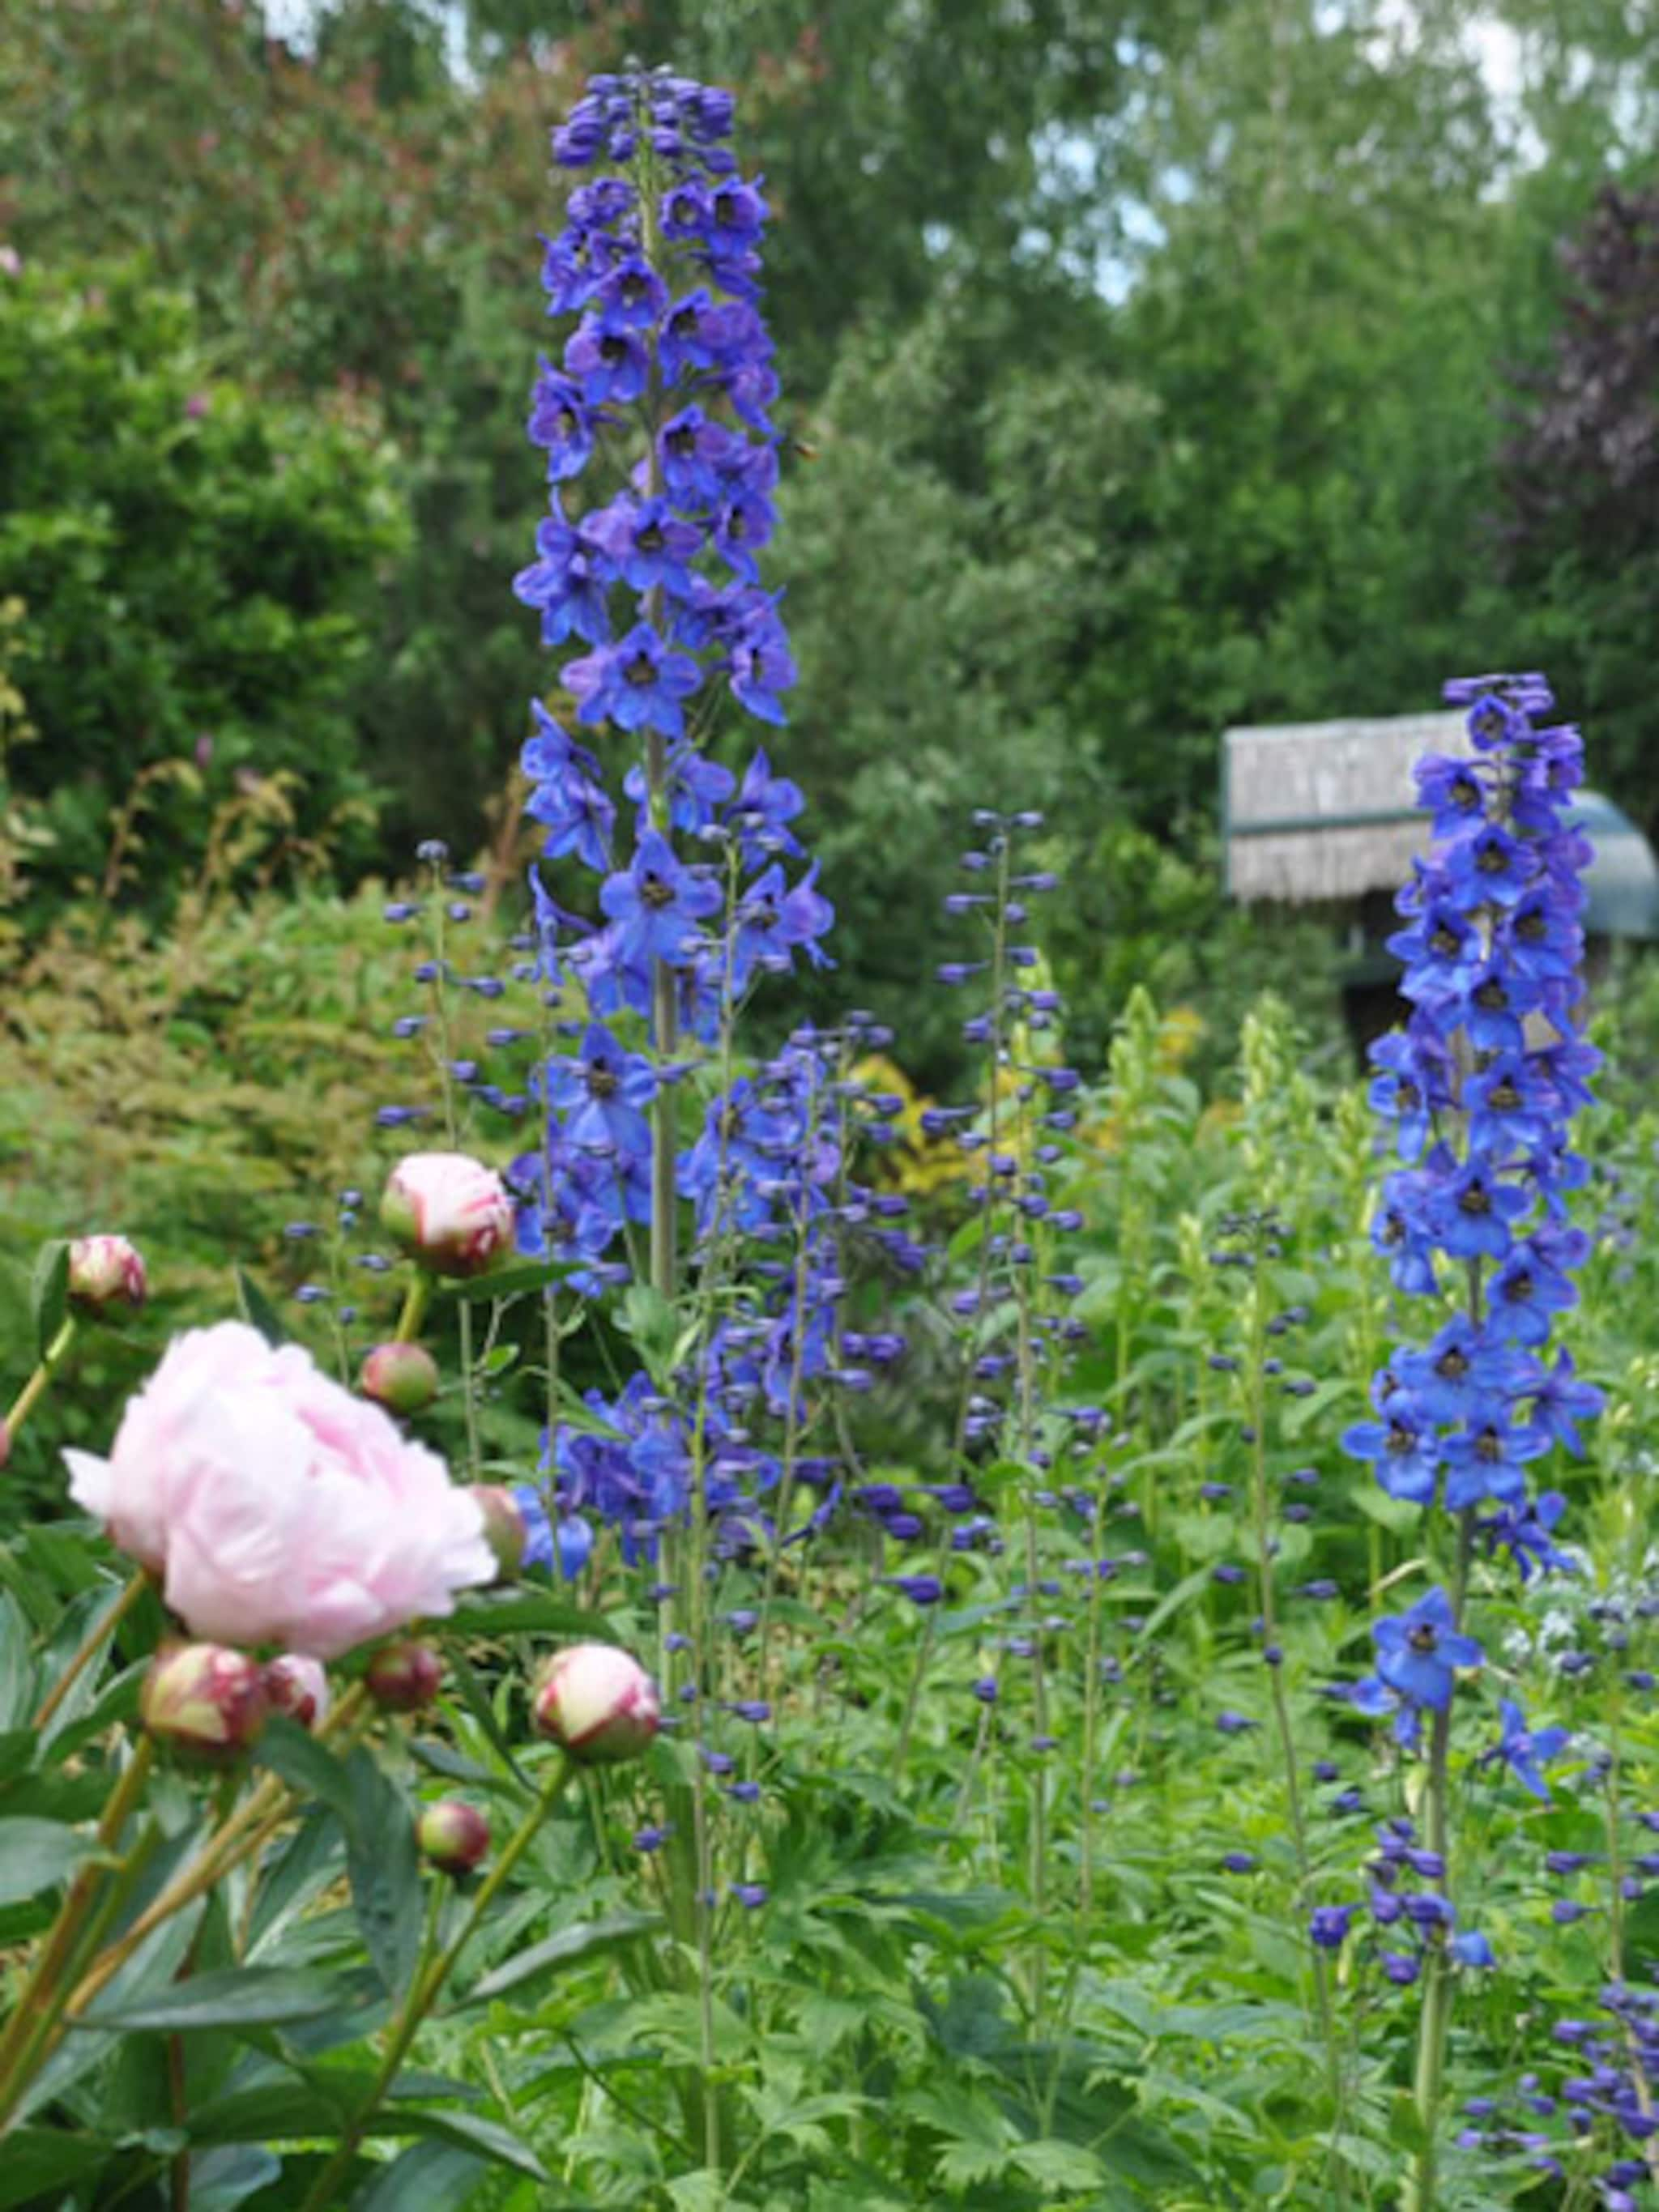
[(40, 2001), (51, 1360), (269, 1805), (416, 1300), (104, 1626), (430, 1975)]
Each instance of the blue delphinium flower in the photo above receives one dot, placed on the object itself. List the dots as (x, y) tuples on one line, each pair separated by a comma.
[(1479, 1089), (1419, 1651), (1524, 1750)]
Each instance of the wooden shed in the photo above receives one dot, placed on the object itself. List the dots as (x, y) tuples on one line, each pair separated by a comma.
[(1325, 813)]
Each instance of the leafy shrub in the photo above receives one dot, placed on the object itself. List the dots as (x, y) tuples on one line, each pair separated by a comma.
[(196, 564)]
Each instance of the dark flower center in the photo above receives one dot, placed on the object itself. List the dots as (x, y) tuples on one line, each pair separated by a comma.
[(1520, 1287), (1423, 1636), (1531, 927), (613, 349), (1491, 859), (1492, 996), (1477, 1199), (1409, 1096), (641, 670), (681, 442), (567, 423), (1466, 793), (1488, 1448), (1403, 1441), (1504, 1098), (1452, 1364), (1444, 941), (650, 540), (601, 1080), (654, 892)]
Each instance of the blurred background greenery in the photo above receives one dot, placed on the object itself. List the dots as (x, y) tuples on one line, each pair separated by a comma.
[(1149, 366)]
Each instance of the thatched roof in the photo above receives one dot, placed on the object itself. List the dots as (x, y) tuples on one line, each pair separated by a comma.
[(1327, 811)]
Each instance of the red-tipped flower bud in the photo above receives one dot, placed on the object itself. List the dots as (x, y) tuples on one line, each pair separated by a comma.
[(454, 1835), (297, 1685), (503, 1526), (205, 1700), (401, 1377), (450, 1212), (597, 1704), (401, 1677), (105, 1273), (6, 1443)]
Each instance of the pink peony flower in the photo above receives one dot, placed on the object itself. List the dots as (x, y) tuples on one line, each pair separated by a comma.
[(104, 1272), (207, 1702), (401, 1377), (454, 1835), (298, 1687), (273, 1505), (452, 1213), (404, 1677), (596, 1703)]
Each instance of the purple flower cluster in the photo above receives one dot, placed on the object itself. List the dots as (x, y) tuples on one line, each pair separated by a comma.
[(1480, 1087), (662, 459), (1600, 2086), (660, 266)]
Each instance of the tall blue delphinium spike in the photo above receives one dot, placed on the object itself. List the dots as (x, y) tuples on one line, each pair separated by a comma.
[(661, 462), (662, 458), (1479, 1088)]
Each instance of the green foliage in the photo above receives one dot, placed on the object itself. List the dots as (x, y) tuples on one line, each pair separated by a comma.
[(196, 561)]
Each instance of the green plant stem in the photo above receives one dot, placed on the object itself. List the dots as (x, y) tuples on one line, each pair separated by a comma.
[(416, 1298), (469, 1395), (90, 1644), (268, 1806), (33, 1391), (959, 1433), (41, 2000), (1282, 1728), (432, 1971)]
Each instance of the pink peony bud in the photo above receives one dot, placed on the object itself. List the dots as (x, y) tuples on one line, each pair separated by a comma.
[(106, 1271), (297, 1685), (401, 1677), (451, 1212), (454, 1835), (504, 1528), (401, 1377), (275, 1506), (206, 1701), (597, 1704)]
